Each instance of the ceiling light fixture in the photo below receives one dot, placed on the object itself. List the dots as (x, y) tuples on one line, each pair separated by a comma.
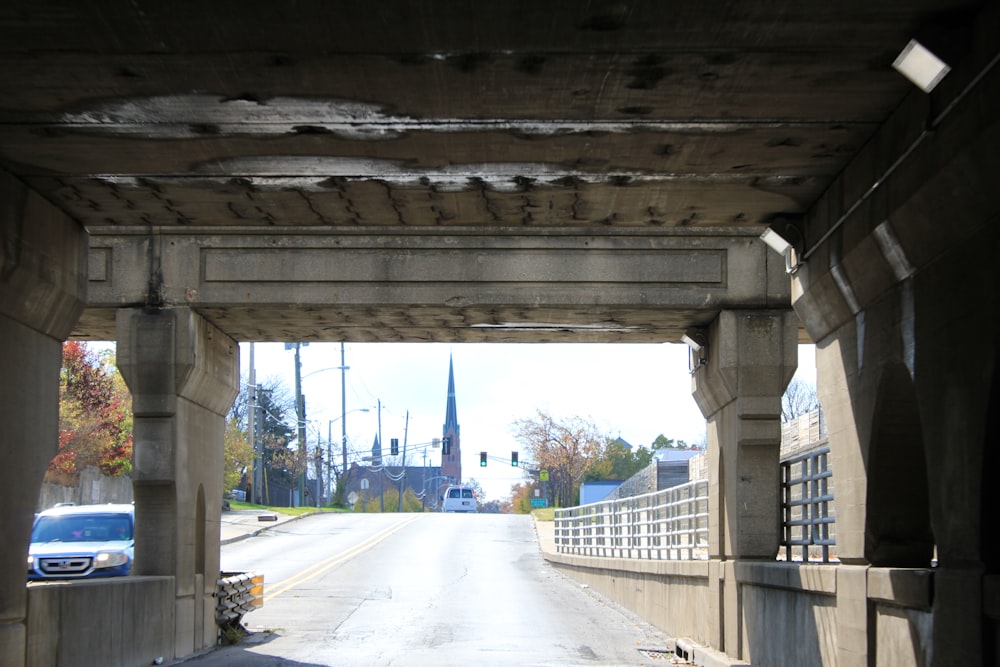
[(918, 64)]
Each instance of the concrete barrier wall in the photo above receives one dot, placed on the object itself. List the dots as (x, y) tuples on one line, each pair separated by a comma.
[(672, 595), (123, 621), (790, 614)]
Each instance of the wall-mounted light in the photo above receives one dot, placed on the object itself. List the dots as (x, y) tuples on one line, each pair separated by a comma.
[(780, 244), (918, 64), (696, 339)]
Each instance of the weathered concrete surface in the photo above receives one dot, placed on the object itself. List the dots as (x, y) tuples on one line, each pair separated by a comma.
[(42, 292), (462, 285), (115, 621), (29, 403), (183, 374), (565, 119), (749, 359), (900, 295), (541, 118)]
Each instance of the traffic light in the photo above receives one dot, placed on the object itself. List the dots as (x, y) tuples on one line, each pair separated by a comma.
[(513, 459), (482, 459), (446, 445), (394, 446)]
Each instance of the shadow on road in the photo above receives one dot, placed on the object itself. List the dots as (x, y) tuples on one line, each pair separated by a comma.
[(244, 654)]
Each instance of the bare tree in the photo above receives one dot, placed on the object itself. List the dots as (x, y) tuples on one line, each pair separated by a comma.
[(799, 399)]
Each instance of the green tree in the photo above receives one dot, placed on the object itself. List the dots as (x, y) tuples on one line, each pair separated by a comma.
[(372, 503), (662, 442), (567, 449), (619, 462), (238, 456), (275, 409), (521, 495), (95, 416)]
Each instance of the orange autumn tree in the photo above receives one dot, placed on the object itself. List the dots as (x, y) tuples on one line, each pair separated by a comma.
[(95, 416), (566, 448)]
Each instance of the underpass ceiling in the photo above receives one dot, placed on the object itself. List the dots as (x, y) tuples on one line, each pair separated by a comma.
[(550, 114)]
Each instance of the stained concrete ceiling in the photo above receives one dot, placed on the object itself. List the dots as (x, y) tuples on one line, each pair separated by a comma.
[(504, 117)]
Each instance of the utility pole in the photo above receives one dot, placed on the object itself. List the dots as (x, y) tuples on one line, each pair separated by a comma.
[(381, 474), (343, 424), (402, 468), (300, 412), (258, 461), (329, 461), (423, 484)]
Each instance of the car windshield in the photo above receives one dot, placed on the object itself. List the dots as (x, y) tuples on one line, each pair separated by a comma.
[(82, 528)]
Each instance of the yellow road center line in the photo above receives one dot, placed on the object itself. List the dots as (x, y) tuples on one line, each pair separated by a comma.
[(316, 570)]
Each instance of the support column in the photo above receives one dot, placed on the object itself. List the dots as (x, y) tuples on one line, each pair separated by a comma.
[(43, 276), (184, 374), (749, 360)]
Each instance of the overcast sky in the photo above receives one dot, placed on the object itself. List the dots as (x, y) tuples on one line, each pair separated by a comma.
[(633, 391)]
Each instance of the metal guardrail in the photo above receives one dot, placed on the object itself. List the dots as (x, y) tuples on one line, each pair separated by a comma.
[(666, 525), (807, 508), (237, 593)]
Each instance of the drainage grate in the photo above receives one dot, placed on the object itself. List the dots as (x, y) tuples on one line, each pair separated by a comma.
[(662, 654)]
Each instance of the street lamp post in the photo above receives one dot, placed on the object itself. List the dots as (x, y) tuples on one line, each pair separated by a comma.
[(329, 444)]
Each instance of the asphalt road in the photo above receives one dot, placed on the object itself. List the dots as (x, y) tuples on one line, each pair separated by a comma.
[(423, 589)]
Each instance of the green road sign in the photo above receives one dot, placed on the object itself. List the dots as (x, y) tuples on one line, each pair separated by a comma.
[(539, 502)]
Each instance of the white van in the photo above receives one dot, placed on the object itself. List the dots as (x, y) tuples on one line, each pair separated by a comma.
[(459, 499)]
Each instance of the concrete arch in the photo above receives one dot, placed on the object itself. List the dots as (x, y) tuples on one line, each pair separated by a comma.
[(897, 526)]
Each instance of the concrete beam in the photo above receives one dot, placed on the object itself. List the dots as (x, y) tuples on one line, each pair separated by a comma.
[(426, 284)]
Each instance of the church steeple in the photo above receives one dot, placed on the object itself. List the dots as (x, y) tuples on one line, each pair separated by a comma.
[(451, 463), (451, 411)]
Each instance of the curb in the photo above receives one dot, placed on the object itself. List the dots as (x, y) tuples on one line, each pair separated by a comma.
[(263, 529)]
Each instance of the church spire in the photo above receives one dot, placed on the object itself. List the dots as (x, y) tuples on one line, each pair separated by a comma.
[(451, 411), (451, 463)]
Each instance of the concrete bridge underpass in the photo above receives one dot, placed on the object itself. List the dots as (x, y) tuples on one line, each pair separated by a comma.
[(183, 176)]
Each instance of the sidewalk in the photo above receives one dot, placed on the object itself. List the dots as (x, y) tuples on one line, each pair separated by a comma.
[(546, 536), (241, 524)]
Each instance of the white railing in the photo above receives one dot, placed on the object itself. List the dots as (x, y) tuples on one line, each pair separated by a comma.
[(666, 525)]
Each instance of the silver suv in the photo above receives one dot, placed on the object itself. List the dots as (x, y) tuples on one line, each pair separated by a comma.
[(78, 541)]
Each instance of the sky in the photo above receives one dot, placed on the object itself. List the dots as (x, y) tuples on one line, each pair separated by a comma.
[(635, 391)]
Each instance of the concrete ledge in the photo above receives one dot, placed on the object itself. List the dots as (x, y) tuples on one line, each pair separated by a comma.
[(912, 588), (789, 576), (664, 568)]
